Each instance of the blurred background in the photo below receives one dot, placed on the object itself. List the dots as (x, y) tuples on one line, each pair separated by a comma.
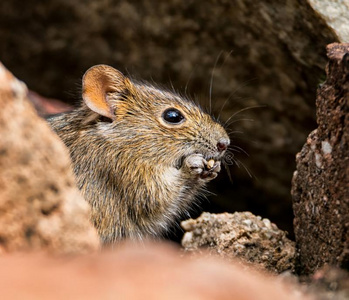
[(259, 62)]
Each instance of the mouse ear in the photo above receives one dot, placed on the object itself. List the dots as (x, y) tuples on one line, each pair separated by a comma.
[(97, 82)]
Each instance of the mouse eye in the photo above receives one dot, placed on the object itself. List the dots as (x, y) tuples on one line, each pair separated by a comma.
[(173, 116)]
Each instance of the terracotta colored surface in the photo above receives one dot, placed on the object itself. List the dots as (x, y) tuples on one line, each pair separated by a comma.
[(40, 207), (134, 272)]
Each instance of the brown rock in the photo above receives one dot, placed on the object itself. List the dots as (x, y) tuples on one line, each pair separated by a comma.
[(241, 235), (40, 207), (273, 54), (131, 272), (320, 186), (46, 106)]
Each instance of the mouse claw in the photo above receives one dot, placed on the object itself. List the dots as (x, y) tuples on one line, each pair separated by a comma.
[(200, 168)]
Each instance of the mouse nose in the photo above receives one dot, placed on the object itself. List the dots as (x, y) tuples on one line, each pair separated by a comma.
[(223, 144)]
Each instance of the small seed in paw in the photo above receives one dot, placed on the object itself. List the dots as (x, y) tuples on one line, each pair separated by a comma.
[(210, 164)]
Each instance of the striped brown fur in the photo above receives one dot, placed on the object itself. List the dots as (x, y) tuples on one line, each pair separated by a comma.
[(137, 171)]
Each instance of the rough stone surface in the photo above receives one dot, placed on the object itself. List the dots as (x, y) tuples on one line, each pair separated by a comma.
[(40, 207), (273, 54), (336, 15), (320, 187), (131, 273), (241, 235)]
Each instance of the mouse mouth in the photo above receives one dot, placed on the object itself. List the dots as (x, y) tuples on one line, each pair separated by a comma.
[(213, 157), (207, 157), (216, 156)]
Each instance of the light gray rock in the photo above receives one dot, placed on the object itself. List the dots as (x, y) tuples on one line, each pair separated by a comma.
[(336, 15)]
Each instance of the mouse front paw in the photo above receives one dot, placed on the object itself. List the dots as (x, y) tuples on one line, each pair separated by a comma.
[(197, 166)]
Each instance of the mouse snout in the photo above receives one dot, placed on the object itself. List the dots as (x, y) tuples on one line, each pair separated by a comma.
[(223, 144)]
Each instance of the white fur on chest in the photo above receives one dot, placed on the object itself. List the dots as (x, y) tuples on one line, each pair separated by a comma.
[(171, 176)]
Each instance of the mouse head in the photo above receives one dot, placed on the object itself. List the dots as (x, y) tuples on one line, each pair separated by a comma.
[(162, 120)]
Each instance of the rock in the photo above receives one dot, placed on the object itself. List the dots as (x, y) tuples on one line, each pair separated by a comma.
[(40, 207), (148, 272), (273, 54), (241, 235), (45, 107), (336, 15), (320, 187)]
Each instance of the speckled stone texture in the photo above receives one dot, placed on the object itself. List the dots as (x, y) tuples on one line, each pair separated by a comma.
[(40, 207), (272, 54), (320, 187), (240, 235)]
